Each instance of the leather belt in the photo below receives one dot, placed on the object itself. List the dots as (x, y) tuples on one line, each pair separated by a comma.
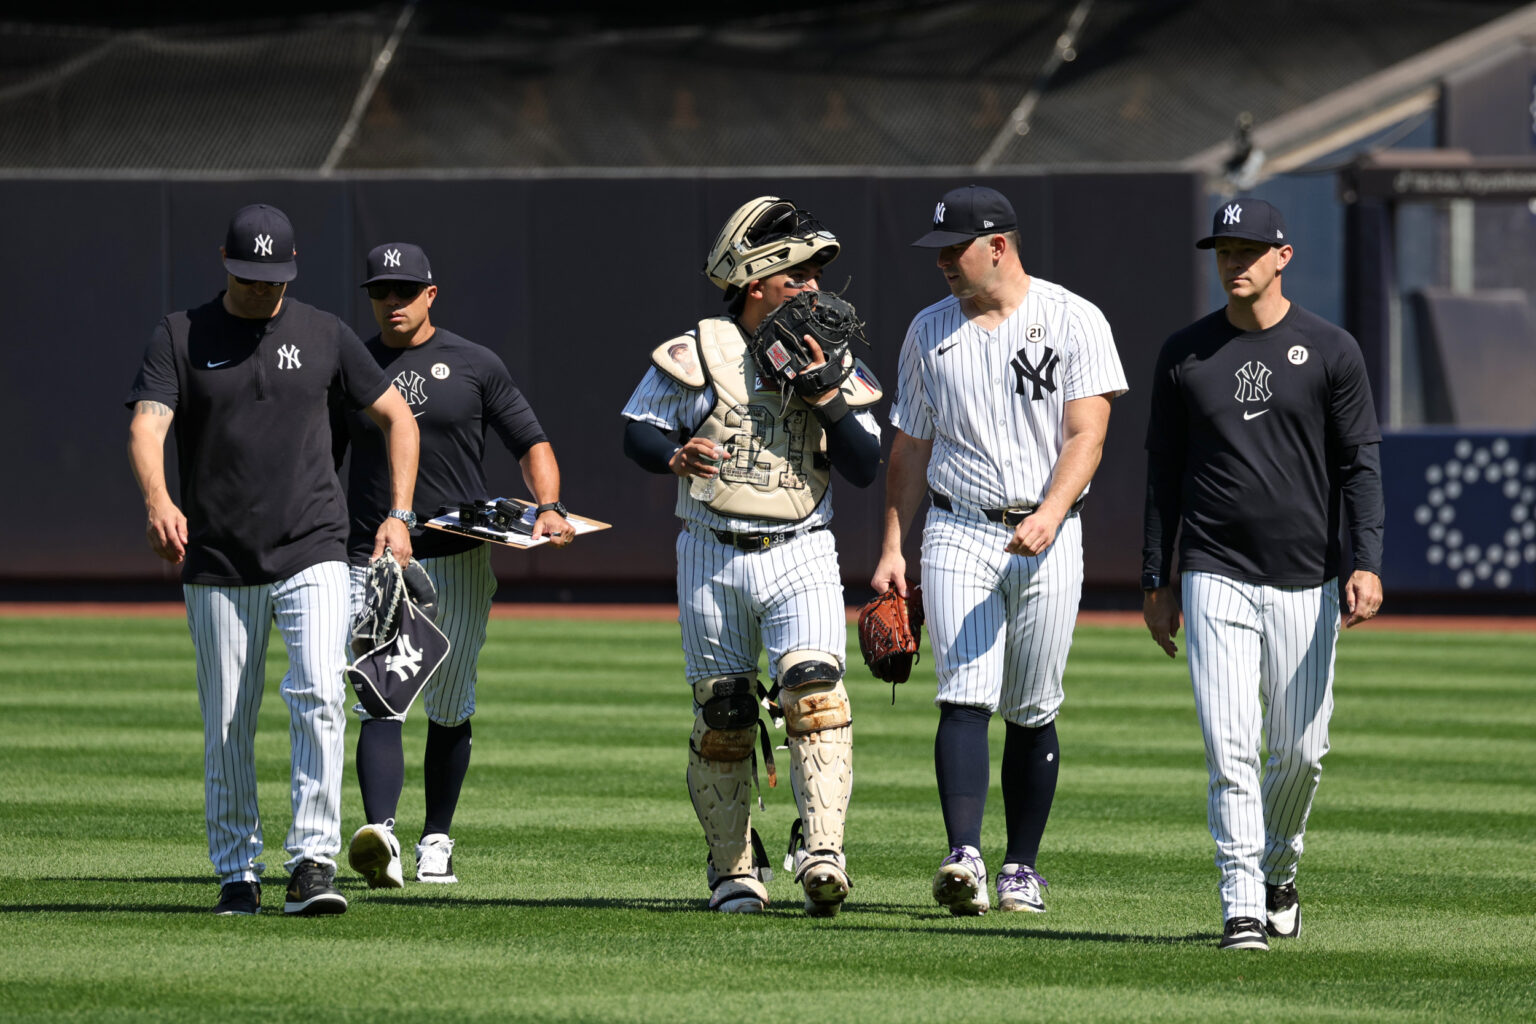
[(1006, 516), (759, 541)]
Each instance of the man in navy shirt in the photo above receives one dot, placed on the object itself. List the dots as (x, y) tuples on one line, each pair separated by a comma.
[(261, 535), (1261, 422), (457, 390)]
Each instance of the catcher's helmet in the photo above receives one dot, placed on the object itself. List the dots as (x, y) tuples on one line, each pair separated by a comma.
[(764, 236)]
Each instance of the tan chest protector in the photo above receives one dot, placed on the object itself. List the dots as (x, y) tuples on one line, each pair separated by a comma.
[(777, 466)]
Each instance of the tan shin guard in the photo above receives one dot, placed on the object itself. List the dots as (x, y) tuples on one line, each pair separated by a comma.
[(820, 741), (720, 783)]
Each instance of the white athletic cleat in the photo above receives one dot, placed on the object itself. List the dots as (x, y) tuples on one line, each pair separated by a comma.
[(1282, 911), (961, 884), (434, 859), (1018, 888), (741, 895), (824, 876), (374, 853)]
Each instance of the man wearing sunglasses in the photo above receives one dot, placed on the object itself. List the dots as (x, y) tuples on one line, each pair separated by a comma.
[(756, 565), (260, 534), (456, 390)]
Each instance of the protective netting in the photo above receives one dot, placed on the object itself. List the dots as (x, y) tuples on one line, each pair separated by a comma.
[(876, 84)]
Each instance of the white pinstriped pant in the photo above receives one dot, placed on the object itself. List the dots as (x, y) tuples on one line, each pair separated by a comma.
[(1261, 663), (732, 603), (230, 628), (1001, 624), (465, 586)]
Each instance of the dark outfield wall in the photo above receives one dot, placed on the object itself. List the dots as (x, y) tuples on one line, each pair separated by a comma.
[(572, 281)]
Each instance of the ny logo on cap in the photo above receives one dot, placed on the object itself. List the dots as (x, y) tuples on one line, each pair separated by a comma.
[(1232, 215), (938, 214), (392, 258), (263, 245)]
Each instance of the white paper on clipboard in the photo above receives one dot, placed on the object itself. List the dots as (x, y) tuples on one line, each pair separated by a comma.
[(517, 538)]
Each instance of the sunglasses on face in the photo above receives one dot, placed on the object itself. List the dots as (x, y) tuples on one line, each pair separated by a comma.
[(405, 290), (248, 282)]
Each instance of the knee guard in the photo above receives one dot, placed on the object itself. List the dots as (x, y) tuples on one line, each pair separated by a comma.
[(720, 771), (820, 740)]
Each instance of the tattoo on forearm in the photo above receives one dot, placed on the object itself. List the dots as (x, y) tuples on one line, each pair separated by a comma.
[(153, 408)]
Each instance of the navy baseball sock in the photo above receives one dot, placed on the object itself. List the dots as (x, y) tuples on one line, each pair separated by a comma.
[(961, 764), (1031, 761), (380, 768), (447, 763)]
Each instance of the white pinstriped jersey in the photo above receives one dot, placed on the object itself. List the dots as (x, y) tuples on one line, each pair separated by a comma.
[(992, 401), (663, 402)]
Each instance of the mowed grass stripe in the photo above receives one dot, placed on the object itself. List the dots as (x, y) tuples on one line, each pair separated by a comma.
[(583, 866)]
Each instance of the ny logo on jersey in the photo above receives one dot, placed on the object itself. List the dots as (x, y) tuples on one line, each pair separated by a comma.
[(1038, 375), (407, 663), (263, 245), (1232, 214), (392, 258), (1253, 382), (410, 384), (288, 358)]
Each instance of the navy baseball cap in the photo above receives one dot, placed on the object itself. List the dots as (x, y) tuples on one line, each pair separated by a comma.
[(259, 244), (1253, 219), (966, 213), (398, 261)]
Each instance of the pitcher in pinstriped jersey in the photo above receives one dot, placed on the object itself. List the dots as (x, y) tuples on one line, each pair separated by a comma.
[(1261, 421), (1001, 410)]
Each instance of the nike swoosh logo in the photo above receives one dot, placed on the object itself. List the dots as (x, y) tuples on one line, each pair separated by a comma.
[(1254, 415), (215, 365), (946, 348), (418, 413)]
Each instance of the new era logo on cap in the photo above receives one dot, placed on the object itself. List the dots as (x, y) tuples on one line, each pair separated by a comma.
[(1251, 219), (258, 244), (966, 212)]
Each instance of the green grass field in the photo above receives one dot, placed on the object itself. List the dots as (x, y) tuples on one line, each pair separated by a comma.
[(582, 865)]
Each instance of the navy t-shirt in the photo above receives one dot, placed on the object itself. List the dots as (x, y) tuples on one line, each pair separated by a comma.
[(457, 389), (253, 436), (1259, 420)]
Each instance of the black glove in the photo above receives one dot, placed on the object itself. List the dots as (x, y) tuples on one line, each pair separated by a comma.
[(779, 349)]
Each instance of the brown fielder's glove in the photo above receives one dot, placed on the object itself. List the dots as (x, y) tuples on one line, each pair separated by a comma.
[(890, 631), (779, 349)]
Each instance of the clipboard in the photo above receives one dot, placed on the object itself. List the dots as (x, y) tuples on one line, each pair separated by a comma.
[(520, 536)]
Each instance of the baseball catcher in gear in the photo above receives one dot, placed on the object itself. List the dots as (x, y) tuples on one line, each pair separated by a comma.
[(890, 632), (779, 349)]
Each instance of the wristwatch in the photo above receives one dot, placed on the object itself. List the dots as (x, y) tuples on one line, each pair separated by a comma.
[(1151, 581), (405, 515), (553, 506)]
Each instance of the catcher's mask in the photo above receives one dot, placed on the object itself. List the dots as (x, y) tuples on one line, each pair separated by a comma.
[(764, 236)]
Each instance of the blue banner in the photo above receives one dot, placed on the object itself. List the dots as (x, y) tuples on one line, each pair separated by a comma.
[(1461, 512)]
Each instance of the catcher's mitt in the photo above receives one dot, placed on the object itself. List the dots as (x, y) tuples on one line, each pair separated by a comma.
[(779, 349), (384, 587), (890, 631)]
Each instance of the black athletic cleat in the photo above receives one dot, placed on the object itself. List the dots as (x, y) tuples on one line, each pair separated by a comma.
[(1244, 933), (238, 899), (1283, 910), (310, 892)]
